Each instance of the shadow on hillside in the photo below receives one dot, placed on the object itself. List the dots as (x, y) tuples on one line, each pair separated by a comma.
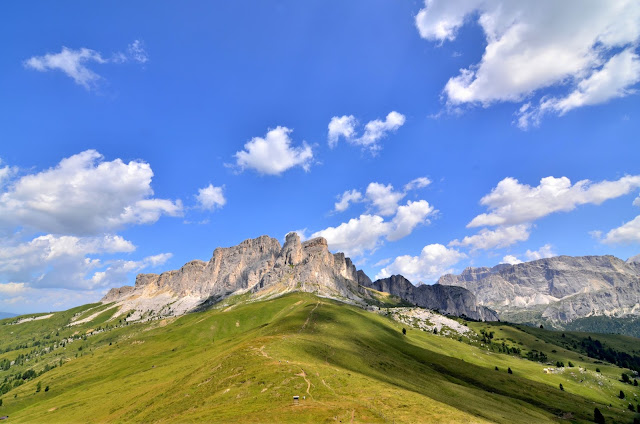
[(380, 352)]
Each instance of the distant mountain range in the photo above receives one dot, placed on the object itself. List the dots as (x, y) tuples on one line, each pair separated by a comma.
[(557, 290), (4, 315), (565, 292), (262, 268)]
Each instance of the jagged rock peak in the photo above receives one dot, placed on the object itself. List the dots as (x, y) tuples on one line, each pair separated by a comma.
[(264, 268)]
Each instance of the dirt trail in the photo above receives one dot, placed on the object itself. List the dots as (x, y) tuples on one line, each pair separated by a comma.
[(263, 353), (304, 375), (309, 317)]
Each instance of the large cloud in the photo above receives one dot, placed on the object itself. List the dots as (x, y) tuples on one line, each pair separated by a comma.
[(273, 154), (366, 233), (573, 46), (84, 195), (434, 260), (68, 262), (357, 236), (56, 261), (511, 202)]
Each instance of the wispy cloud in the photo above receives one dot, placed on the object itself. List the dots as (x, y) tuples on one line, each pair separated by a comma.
[(76, 63)]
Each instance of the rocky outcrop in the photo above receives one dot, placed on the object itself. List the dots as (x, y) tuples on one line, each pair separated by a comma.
[(257, 265), (561, 288), (448, 300), (263, 268)]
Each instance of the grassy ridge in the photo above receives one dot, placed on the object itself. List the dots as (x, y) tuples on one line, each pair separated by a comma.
[(245, 362)]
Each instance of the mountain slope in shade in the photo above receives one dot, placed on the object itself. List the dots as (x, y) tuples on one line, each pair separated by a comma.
[(559, 289), (261, 268), (450, 300)]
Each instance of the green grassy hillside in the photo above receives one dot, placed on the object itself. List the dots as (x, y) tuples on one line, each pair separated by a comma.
[(245, 362)]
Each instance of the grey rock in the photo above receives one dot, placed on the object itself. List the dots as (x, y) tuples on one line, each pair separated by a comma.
[(263, 268), (450, 300), (561, 288)]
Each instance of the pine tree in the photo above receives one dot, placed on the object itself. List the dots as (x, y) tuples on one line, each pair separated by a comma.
[(509, 371), (598, 417), (561, 387), (621, 395)]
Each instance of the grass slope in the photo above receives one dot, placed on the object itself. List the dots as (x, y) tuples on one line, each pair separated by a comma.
[(244, 363)]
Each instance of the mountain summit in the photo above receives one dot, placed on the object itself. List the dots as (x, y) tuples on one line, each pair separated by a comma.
[(262, 268)]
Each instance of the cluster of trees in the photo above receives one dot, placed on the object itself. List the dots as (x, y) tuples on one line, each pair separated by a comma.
[(12, 381), (627, 379), (595, 349), (487, 338), (536, 356)]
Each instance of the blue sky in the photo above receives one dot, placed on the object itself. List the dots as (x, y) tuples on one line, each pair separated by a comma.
[(419, 138)]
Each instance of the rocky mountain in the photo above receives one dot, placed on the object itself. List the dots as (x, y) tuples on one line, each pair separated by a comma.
[(262, 268), (559, 289), (447, 299)]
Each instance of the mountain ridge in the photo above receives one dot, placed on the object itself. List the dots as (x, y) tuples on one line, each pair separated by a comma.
[(559, 289), (261, 268)]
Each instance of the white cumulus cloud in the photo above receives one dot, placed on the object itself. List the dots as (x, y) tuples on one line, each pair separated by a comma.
[(56, 261), (383, 198), (492, 239), (118, 271), (511, 260), (374, 131), (627, 233), (408, 217), (357, 236), (366, 233), (84, 195), (348, 197), (434, 261), (545, 251), (511, 202), (273, 154), (572, 46), (343, 126), (211, 197)]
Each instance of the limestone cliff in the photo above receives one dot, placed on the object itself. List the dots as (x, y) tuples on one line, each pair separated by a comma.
[(560, 289), (263, 268)]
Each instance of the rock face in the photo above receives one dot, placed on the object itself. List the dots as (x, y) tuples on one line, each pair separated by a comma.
[(447, 299), (263, 268), (560, 289)]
